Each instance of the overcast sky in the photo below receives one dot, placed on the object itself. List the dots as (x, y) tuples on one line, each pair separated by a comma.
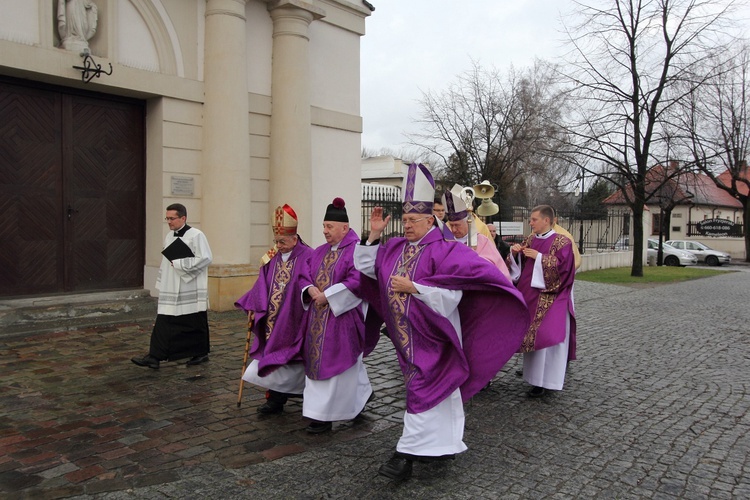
[(420, 45)]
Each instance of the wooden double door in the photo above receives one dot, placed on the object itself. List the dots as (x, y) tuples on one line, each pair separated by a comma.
[(72, 188)]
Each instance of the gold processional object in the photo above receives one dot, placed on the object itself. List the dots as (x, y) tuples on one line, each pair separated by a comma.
[(485, 191)]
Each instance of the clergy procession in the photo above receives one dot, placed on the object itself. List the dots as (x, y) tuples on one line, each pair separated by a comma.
[(455, 311)]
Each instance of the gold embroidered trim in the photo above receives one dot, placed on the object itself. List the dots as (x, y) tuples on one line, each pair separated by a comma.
[(399, 304), (548, 295), (319, 313), (281, 276)]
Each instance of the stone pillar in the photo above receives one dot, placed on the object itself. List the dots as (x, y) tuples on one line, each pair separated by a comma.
[(291, 153), (226, 152)]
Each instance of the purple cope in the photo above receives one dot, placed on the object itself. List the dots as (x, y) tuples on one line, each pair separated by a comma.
[(279, 315), (333, 343), (493, 318)]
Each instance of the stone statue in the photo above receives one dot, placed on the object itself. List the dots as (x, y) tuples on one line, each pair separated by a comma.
[(76, 23)]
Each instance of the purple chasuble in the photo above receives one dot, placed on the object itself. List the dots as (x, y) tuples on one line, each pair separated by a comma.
[(492, 313), (275, 298), (333, 344), (548, 307)]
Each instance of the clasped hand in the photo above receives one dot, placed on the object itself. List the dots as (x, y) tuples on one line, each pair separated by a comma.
[(402, 284), (527, 252), (317, 296)]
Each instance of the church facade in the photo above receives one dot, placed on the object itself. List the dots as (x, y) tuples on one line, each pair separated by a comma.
[(110, 110)]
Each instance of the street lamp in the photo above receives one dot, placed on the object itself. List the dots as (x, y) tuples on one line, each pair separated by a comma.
[(660, 248), (580, 178)]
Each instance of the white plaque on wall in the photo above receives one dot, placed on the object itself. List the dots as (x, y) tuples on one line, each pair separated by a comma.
[(182, 186), (511, 228)]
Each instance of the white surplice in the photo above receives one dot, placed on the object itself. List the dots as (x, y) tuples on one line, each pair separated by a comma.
[(183, 283), (289, 379), (342, 397)]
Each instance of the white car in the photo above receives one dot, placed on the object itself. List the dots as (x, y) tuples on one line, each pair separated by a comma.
[(623, 243), (704, 252), (672, 256)]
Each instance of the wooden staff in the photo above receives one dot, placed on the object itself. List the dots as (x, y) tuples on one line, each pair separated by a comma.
[(244, 361)]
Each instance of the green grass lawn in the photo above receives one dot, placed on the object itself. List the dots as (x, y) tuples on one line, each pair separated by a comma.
[(651, 274)]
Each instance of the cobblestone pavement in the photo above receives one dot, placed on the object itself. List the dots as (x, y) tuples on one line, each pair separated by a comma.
[(656, 406)]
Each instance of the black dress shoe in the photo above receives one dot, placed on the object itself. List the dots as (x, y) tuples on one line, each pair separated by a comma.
[(398, 467), (147, 360), (317, 427), (427, 458), (536, 392), (196, 360), (271, 407)]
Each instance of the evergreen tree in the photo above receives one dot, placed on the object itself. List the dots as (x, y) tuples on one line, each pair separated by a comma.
[(591, 206)]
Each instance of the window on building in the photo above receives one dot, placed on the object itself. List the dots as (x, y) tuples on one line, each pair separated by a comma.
[(655, 223)]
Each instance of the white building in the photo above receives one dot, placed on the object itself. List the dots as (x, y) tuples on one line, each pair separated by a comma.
[(385, 169), (688, 200), (231, 107)]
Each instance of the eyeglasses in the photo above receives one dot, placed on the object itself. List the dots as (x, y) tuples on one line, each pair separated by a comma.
[(411, 222), (170, 219), (281, 241)]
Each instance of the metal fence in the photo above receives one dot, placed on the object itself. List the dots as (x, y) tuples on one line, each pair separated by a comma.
[(387, 197), (599, 233), (603, 232)]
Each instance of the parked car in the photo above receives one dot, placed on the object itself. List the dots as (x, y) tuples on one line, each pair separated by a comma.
[(672, 256), (623, 243), (704, 252)]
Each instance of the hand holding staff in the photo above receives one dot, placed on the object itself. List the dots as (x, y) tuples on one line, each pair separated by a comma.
[(250, 322)]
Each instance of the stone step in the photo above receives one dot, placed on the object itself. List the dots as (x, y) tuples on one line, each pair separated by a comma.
[(75, 311)]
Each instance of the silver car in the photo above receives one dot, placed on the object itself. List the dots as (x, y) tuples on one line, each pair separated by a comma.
[(623, 243), (672, 256), (704, 252)]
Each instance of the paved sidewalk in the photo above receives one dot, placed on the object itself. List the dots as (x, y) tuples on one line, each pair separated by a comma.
[(656, 406)]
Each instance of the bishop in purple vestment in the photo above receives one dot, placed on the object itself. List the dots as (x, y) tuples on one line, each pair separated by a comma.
[(274, 305), (337, 386), (452, 316), (544, 268)]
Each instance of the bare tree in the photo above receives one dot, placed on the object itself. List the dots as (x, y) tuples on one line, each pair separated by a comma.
[(628, 57), (715, 122), (489, 126)]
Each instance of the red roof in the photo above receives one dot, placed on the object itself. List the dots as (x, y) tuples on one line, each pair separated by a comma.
[(697, 189), (726, 179)]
